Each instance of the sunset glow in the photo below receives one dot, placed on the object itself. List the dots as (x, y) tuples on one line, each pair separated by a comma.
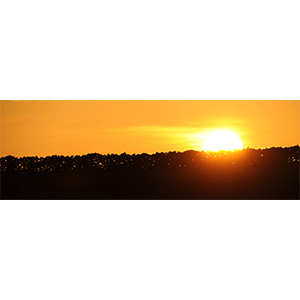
[(44, 128), (150, 149)]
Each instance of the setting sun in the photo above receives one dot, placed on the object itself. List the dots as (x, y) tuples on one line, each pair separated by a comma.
[(223, 140), (149, 149)]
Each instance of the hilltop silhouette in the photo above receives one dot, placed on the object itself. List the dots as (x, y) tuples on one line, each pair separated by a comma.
[(246, 174)]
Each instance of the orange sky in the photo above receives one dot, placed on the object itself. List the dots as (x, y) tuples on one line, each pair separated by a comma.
[(41, 128)]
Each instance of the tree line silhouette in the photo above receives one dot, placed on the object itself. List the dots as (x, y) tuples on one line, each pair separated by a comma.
[(245, 174)]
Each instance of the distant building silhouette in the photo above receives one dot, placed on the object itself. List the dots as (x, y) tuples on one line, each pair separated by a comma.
[(249, 173)]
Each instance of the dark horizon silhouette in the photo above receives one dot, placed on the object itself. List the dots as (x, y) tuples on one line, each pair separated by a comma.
[(271, 173)]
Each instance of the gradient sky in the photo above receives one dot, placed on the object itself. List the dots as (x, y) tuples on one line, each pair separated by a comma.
[(42, 128)]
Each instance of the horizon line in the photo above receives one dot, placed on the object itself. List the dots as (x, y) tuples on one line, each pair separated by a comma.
[(152, 153)]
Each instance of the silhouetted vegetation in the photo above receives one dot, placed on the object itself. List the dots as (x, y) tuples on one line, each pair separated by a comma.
[(247, 174)]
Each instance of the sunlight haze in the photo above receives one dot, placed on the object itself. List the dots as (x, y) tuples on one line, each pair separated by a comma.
[(44, 128)]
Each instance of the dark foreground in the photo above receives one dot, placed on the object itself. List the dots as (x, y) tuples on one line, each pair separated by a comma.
[(247, 174)]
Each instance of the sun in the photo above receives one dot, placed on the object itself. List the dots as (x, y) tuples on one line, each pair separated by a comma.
[(223, 140)]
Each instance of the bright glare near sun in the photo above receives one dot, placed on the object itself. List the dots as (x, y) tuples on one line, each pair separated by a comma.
[(223, 140)]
